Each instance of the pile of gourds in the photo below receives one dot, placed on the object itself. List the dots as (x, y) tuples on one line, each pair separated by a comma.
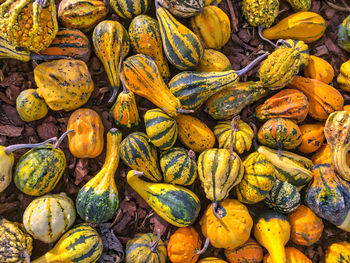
[(231, 167)]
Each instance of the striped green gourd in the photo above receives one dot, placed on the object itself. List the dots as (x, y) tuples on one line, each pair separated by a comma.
[(160, 128), (128, 9), (178, 166), (183, 8), (139, 154), (283, 197)]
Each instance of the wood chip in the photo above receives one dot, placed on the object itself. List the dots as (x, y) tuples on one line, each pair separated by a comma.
[(11, 131)]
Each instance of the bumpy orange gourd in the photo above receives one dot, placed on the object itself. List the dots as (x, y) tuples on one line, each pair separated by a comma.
[(249, 252), (293, 255), (87, 139), (338, 252), (312, 137), (319, 69)]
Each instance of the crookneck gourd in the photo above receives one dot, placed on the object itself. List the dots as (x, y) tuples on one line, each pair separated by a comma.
[(98, 200), (213, 60), (260, 13), (249, 252), (183, 8), (130, 8), (319, 69), (312, 137), (343, 78), (30, 106)]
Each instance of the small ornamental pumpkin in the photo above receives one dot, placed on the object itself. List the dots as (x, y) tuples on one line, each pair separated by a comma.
[(260, 13), (343, 78), (319, 69), (30, 106), (306, 226), (338, 252), (300, 5), (249, 252), (293, 255), (213, 60), (312, 137)]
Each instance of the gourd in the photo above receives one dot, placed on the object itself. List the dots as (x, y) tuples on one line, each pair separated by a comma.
[(161, 129), (337, 133), (219, 170), (16, 244), (293, 255), (140, 75), (212, 26), (260, 13), (194, 133), (213, 60), (211, 260), (81, 14), (280, 133), (343, 35), (111, 43), (229, 102), (319, 69), (258, 179), (178, 166), (272, 231), (328, 196), (300, 5), (144, 248), (338, 252), (288, 103), (144, 34), (290, 167), (48, 217), (305, 26), (136, 151), (229, 227), (80, 244), (87, 139), (97, 200), (324, 155), (299, 45), (175, 204), (312, 137), (63, 84), (323, 98), (283, 197), (30, 106), (31, 25), (129, 9), (343, 78), (249, 252), (181, 46), (184, 8), (347, 108), (306, 226), (235, 134)]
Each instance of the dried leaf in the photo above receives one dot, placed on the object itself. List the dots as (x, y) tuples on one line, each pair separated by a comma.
[(81, 170), (112, 248)]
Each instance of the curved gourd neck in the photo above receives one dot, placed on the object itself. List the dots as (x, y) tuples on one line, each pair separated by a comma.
[(136, 183), (48, 258)]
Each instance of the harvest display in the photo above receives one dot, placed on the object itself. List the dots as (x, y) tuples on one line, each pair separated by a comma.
[(222, 161)]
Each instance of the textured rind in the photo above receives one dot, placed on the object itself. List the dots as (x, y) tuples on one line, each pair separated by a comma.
[(300, 5), (343, 78), (249, 252), (343, 35), (338, 252), (30, 106), (128, 9), (183, 8), (9, 50), (260, 12)]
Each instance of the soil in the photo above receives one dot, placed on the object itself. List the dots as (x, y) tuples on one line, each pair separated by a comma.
[(134, 215)]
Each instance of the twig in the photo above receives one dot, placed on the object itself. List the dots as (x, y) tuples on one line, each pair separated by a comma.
[(234, 19)]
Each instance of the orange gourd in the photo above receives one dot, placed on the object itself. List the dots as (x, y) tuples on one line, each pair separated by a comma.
[(293, 255), (347, 108), (312, 137), (249, 252), (319, 69)]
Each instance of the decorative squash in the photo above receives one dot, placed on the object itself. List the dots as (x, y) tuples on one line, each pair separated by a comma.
[(323, 98), (328, 196), (80, 244), (182, 47), (108, 38), (258, 179), (64, 84), (87, 139), (160, 128), (300, 5), (175, 204), (128, 9), (16, 244), (30, 106), (324, 155), (138, 153), (299, 45), (219, 170), (312, 137), (343, 78), (145, 38), (260, 13), (97, 200), (184, 8), (213, 60), (178, 166), (249, 252), (319, 69), (305, 26), (236, 134), (293, 255), (9, 50), (209, 2), (272, 231), (81, 14), (194, 133), (343, 34), (229, 102), (211, 260), (48, 217), (288, 103), (283, 197), (229, 227), (306, 226), (338, 252), (6, 164)]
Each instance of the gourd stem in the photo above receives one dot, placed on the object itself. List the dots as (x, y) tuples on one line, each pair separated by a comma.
[(137, 173), (234, 128), (260, 29), (154, 247), (191, 154), (9, 149), (216, 214), (57, 144), (251, 65), (26, 256), (279, 41), (205, 247), (125, 90), (279, 146), (255, 130), (156, 4), (43, 57), (41, 2), (184, 111)]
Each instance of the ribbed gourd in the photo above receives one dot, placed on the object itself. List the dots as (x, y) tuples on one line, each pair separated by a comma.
[(48, 217), (161, 129), (30, 106), (260, 13), (343, 78), (319, 69), (213, 60), (128, 9), (139, 154), (175, 204), (183, 8), (338, 252), (249, 252), (178, 166), (98, 200), (300, 5)]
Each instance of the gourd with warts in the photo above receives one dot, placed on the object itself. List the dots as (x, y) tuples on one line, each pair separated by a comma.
[(260, 13)]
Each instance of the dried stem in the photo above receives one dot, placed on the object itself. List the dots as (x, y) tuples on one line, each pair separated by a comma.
[(234, 128), (59, 141), (205, 247), (154, 247), (260, 29), (9, 149)]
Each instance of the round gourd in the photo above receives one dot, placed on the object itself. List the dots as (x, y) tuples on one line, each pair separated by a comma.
[(128, 9), (249, 252), (343, 35), (211, 260), (283, 197), (260, 13), (213, 61), (30, 106), (338, 252), (178, 166), (306, 227), (312, 137), (183, 8), (87, 139), (160, 128), (48, 217), (293, 255), (319, 69)]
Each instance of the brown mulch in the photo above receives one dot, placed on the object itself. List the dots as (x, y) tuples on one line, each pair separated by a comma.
[(134, 215)]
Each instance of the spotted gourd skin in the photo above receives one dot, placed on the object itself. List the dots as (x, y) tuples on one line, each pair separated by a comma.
[(300, 5), (38, 171), (128, 9), (249, 252), (183, 8), (30, 106), (260, 12), (338, 252)]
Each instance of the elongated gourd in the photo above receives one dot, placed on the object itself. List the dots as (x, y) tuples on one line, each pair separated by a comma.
[(175, 204), (98, 200)]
